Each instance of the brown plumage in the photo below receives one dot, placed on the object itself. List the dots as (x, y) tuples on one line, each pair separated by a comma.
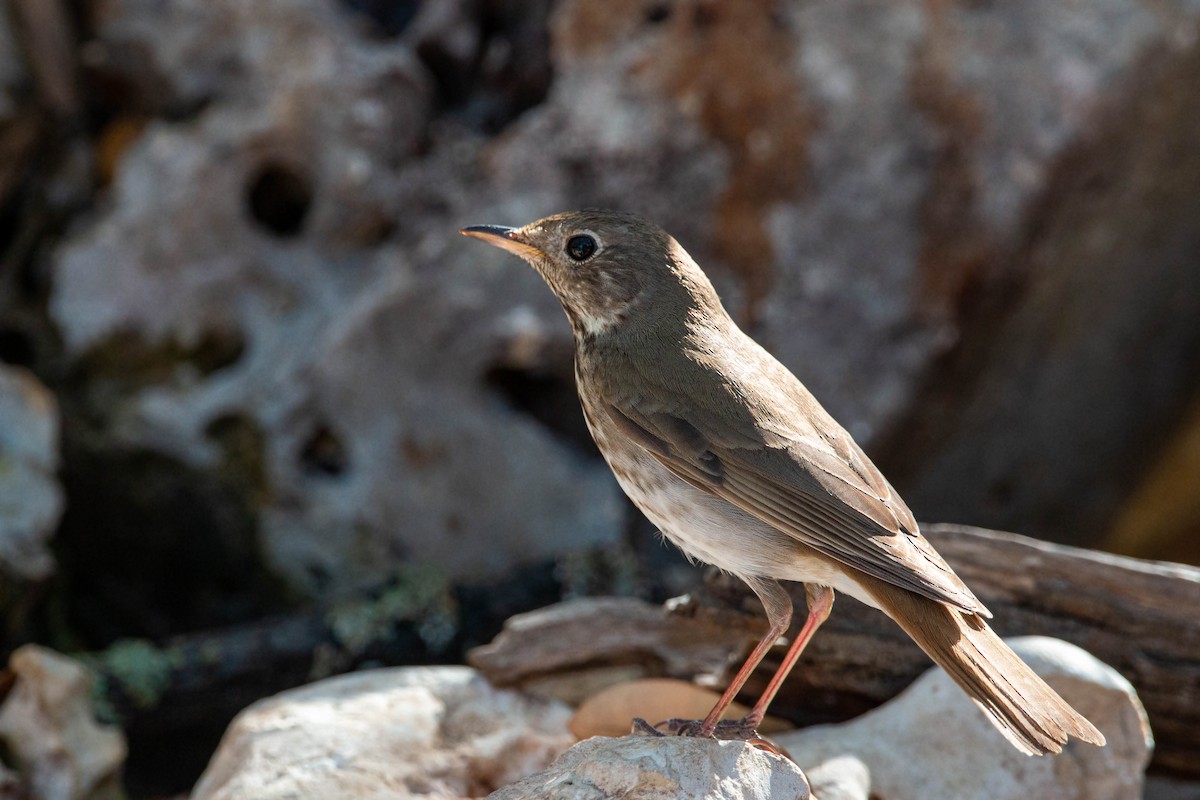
[(737, 463)]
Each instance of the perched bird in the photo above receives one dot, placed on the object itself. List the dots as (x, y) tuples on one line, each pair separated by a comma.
[(738, 465)]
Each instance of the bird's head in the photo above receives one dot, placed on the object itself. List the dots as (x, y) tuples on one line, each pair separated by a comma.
[(606, 267)]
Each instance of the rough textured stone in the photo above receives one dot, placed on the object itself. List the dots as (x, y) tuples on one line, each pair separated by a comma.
[(434, 731), (335, 316), (666, 768), (31, 500), (931, 742), (841, 778), (1068, 379), (869, 183), (871, 162), (46, 724)]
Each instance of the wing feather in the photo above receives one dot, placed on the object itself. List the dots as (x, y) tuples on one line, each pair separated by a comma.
[(814, 485)]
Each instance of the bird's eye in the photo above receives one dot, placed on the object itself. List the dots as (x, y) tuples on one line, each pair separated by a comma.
[(581, 248)]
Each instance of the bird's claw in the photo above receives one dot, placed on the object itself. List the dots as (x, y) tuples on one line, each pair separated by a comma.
[(729, 729), (639, 727)]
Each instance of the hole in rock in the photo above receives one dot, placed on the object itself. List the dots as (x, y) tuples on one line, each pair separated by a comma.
[(279, 198), (451, 76), (389, 18), (659, 12), (319, 576), (16, 347), (324, 453), (217, 349)]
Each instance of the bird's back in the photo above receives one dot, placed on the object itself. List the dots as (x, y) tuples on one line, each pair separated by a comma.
[(732, 421)]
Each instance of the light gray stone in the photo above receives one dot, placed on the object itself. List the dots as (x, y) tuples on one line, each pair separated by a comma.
[(654, 768), (931, 743), (357, 346), (840, 778), (31, 500), (388, 733), (46, 724)]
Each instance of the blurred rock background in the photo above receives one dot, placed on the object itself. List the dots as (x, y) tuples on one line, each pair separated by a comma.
[(250, 369)]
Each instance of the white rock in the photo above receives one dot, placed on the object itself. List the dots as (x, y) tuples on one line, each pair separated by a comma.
[(931, 742), (841, 778), (46, 723), (667, 768), (431, 731), (31, 500)]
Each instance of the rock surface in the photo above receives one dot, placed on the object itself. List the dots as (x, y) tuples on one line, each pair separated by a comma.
[(427, 731), (932, 743), (862, 174), (335, 320), (444, 731), (662, 769), (31, 500), (46, 724), (946, 243)]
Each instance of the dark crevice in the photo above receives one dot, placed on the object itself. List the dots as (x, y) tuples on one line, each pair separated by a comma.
[(324, 454), (279, 197), (149, 547), (511, 70), (17, 347), (548, 398), (127, 361), (387, 19), (658, 12), (451, 76)]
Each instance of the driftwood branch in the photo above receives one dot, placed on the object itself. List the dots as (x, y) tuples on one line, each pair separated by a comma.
[(1140, 617)]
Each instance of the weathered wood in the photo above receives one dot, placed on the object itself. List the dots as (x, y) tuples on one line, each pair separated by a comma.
[(610, 631), (1138, 616)]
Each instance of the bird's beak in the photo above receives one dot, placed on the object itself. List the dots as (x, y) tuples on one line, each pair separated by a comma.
[(509, 239)]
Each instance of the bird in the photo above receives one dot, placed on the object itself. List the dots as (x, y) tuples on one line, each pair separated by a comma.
[(737, 464)]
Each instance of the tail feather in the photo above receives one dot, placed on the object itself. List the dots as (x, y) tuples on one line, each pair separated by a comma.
[(1021, 705)]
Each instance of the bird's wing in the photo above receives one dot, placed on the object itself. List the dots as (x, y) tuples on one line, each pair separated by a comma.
[(795, 468)]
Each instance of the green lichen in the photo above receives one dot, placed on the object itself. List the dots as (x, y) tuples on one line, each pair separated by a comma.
[(420, 594), (210, 653), (129, 359), (138, 670)]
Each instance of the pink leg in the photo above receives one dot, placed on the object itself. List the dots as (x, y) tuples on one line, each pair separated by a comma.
[(778, 606), (820, 603), (779, 611)]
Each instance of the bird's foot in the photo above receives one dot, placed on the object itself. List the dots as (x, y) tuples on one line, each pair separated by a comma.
[(730, 729), (733, 729), (639, 727), (727, 729)]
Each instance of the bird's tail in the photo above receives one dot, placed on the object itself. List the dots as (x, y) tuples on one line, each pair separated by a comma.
[(1027, 711)]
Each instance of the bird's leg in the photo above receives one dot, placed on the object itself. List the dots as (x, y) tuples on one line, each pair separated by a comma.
[(820, 603), (778, 606)]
